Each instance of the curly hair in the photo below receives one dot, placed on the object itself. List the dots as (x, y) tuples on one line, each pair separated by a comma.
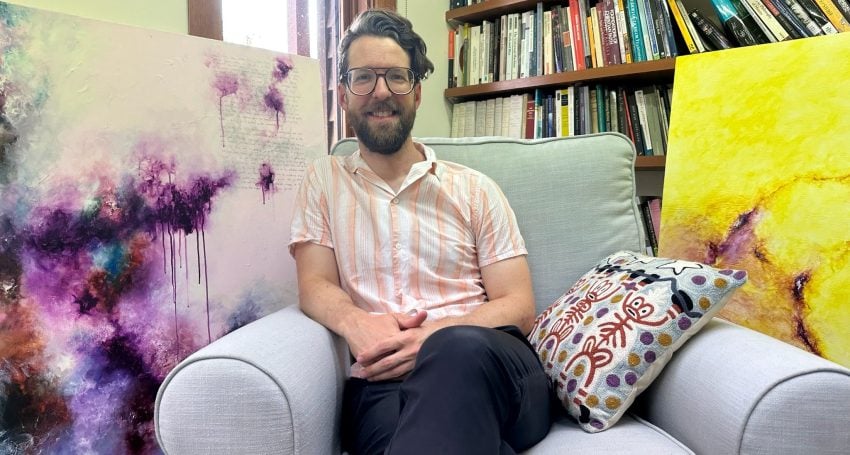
[(388, 24)]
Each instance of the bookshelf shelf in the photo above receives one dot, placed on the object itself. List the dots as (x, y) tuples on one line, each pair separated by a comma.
[(491, 8), (650, 163), (655, 70)]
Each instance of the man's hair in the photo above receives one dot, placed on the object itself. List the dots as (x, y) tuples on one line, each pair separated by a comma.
[(388, 24)]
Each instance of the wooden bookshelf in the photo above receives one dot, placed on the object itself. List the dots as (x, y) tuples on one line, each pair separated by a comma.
[(651, 71), (490, 8), (650, 163), (647, 72)]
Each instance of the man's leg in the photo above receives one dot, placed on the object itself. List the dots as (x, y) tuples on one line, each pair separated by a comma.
[(369, 415), (473, 390)]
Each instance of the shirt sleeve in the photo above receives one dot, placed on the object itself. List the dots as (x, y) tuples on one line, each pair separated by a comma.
[(497, 234), (310, 218)]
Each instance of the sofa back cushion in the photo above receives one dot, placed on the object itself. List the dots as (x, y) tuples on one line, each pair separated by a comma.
[(574, 198)]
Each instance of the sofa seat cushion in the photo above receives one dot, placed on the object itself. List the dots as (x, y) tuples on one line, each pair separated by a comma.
[(631, 435)]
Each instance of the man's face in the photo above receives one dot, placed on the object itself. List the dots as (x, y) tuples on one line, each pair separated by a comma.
[(382, 120)]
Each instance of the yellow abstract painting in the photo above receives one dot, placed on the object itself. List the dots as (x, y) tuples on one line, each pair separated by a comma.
[(758, 178)]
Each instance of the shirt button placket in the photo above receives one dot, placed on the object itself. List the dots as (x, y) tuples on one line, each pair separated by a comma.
[(396, 252)]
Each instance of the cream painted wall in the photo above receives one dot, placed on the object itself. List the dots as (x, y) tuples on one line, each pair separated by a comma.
[(429, 21), (165, 15)]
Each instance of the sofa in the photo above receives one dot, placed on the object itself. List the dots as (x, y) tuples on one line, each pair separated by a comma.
[(274, 385)]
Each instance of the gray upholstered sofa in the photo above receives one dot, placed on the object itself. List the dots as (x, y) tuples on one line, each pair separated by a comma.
[(274, 386)]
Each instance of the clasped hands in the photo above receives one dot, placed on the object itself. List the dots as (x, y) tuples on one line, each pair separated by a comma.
[(385, 345)]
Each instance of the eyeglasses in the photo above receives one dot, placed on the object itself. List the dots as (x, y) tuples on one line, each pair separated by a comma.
[(362, 81)]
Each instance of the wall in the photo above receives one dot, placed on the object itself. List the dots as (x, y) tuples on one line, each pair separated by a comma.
[(164, 15), (429, 20)]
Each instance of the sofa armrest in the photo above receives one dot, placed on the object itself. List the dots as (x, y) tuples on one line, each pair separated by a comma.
[(732, 390), (273, 386)]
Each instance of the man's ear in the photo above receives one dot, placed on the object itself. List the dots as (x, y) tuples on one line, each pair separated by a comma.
[(342, 96), (417, 94)]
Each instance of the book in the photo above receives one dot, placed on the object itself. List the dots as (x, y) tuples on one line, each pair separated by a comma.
[(451, 65), (667, 25), (844, 7), (692, 30), (683, 29), (798, 27), (733, 23), (709, 31), (797, 9), (818, 17), (623, 32), (636, 31), (761, 18), (649, 227), (577, 35), (753, 24), (831, 11), (784, 22)]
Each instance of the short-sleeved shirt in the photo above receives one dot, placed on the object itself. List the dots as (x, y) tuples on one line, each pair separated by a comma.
[(422, 247)]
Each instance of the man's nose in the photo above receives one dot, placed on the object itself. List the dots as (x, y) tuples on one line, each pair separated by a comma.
[(382, 90)]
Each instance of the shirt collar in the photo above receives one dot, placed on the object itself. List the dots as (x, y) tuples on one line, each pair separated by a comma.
[(355, 162)]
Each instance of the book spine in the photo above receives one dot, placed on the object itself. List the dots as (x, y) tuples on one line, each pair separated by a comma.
[(759, 20), (770, 19), (609, 25), (733, 22), (451, 68), (584, 14), (834, 15), (753, 24), (667, 26), (844, 7), (623, 30), (577, 35), (683, 29), (557, 43), (646, 27), (710, 31), (635, 31), (801, 14), (783, 21), (791, 19), (634, 121), (657, 29), (818, 17)]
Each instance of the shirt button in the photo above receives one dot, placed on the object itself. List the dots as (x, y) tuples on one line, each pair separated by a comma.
[(395, 200)]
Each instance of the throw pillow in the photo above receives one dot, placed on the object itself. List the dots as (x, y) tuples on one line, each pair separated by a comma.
[(607, 338)]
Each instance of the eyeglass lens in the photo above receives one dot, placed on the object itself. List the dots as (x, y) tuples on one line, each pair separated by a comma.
[(362, 81)]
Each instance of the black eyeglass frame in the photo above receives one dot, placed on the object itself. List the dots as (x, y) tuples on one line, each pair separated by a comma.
[(346, 79)]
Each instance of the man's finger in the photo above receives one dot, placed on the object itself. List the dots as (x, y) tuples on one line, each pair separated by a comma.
[(410, 320), (378, 352)]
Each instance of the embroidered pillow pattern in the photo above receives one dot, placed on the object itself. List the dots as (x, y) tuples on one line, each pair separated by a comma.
[(607, 338)]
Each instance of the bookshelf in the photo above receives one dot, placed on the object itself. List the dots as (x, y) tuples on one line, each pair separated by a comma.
[(645, 72)]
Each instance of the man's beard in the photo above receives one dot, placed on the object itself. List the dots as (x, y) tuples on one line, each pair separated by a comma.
[(388, 140)]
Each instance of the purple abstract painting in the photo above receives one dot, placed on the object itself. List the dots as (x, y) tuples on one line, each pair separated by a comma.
[(146, 187)]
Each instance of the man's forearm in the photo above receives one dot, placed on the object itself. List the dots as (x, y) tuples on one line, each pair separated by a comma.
[(329, 305), (504, 311)]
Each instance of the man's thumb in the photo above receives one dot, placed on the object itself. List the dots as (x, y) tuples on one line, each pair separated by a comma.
[(411, 319)]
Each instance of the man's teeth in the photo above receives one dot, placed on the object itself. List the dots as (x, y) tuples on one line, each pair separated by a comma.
[(382, 113)]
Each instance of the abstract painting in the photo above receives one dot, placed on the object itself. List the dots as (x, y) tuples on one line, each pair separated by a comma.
[(758, 178), (146, 188)]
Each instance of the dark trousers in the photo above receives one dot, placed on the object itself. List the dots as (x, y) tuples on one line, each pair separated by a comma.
[(473, 390)]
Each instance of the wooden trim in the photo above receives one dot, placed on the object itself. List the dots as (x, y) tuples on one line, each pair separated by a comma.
[(491, 8), (654, 70), (650, 163), (205, 18)]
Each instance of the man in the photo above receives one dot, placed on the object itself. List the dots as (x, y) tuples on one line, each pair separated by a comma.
[(413, 261)]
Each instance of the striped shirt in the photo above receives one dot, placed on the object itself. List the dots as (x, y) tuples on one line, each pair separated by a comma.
[(422, 247)]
